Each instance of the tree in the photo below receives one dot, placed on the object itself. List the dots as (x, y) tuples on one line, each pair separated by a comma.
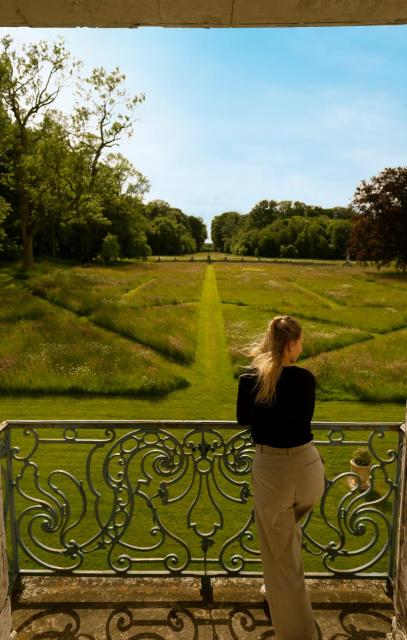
[(268, 244), (288, 251), (169, 231), (379, 227), (198, 231), (223, 229), (263, 214), (245, 243), (163, 236), (29, 84), (4, 210), (110, 248), (57, 161), (338, 231), (104, 115)]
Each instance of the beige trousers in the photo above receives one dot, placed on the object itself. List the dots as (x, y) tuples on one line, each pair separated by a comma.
[(286, 485)]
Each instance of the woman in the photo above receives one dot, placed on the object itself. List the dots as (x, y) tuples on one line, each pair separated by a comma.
[(277, 399)]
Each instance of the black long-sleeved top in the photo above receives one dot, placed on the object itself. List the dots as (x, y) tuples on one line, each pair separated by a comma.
[(286, 422)]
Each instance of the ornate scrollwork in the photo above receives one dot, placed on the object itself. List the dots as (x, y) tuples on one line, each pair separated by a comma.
[(143, 497)]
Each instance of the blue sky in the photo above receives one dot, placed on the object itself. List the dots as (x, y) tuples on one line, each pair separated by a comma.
[(233, 116)]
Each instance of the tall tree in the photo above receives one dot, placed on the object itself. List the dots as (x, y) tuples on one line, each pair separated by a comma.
[(169, 231), (30, 83), (4, 209), (55, 158), (198, 231), (103, 116), (263, 214), (223, 228), (379, 227)]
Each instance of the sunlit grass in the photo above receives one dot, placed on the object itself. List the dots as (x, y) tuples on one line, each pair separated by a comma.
[(245, 324), (149, 302), (305, 292), (154, 306), (44, 349), (375, 371)]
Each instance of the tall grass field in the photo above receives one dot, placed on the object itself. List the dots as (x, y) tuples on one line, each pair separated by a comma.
[(132, 331), (164, 340)]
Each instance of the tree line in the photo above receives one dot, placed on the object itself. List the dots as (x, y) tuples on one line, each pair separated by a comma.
[(66, 192), (373, 229), (284, 229)]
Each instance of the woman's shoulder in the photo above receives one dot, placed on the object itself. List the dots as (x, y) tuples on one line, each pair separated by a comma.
[(300, 372), (249, 376)]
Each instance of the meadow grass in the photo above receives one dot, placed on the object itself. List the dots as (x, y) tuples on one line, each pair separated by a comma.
[(156, 310), (286, 289), (351, 364), (48, 350), (375, 371), (361, 287), (172, 330), (244, 325)]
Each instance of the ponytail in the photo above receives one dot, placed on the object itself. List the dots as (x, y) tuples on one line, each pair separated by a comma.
[(267, 354)]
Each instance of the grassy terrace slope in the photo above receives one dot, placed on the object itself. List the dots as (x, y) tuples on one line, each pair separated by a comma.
[(355, 323), (162, 340)]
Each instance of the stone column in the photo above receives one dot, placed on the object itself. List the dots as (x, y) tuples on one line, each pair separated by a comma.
[(5, 607), (399, 625)]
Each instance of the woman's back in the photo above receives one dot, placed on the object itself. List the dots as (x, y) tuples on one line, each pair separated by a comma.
[(286, 422)]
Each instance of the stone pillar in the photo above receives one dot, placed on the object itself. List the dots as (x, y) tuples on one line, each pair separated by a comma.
[(5, 607), (399, 625)]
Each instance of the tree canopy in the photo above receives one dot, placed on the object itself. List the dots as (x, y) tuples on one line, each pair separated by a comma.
[(379, 229), (284, 229), (65, 190)]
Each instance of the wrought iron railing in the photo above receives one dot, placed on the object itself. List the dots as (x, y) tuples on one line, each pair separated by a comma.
[(168, 498)]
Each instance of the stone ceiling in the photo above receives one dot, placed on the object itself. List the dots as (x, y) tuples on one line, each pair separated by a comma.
[(200, 13)]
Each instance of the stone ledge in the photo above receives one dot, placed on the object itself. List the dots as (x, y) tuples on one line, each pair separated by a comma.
[(172, 609), (118, 589)]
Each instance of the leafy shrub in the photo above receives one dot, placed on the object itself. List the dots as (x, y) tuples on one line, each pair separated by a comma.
[(110, 248)]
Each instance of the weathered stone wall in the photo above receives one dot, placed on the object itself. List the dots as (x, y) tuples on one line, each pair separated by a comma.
[(400, 592), (5, 608)]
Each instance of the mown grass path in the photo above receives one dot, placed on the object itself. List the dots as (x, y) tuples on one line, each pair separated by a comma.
[(143, 285), (212, 393), (212, 390), (313, 294), (211, 373)]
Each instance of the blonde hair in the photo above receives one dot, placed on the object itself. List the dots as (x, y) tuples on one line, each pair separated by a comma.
[(267, 354)]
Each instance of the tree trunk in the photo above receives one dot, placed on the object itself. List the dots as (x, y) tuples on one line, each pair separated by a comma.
[(27, 235), (53, 240), (28, 254)]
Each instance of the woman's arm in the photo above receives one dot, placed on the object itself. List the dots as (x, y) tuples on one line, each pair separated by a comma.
[(309, 396), (244, 405)]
